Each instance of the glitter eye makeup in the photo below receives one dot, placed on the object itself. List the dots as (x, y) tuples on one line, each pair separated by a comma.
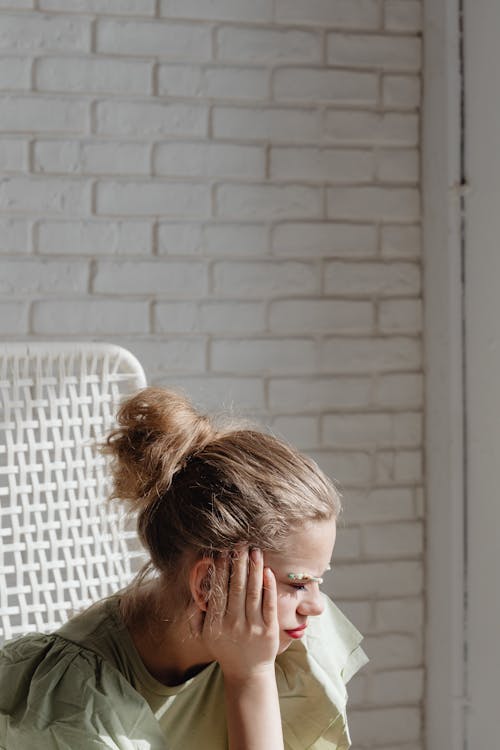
[(304, 578)]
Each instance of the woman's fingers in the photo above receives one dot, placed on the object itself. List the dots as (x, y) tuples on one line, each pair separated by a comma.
[(269, 598), (253, 603), (238, 584)]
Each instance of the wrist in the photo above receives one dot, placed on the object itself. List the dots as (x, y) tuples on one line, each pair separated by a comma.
[(255, 676)]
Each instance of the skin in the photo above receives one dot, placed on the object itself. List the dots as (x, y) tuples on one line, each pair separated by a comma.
[(243, 624)]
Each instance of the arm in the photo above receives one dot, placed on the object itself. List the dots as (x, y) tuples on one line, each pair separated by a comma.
[(242, 624)]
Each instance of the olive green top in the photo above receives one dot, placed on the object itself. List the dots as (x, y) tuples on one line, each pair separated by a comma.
[(85, 687)]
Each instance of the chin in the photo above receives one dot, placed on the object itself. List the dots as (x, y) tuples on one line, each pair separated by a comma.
[(285, 642)]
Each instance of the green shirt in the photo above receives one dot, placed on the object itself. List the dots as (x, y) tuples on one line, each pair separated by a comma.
[(86, 688)]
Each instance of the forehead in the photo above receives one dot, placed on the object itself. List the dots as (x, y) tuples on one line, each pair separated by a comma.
[(307, 550)]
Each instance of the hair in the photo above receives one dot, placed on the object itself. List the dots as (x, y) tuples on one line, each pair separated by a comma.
[(200, 489)]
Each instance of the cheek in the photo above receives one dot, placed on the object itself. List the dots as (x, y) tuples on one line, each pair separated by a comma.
[(287, 604)]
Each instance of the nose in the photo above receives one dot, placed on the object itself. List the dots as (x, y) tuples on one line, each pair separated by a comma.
[(312, 604)]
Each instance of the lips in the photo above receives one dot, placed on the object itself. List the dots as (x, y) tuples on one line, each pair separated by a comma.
[(296, 632)]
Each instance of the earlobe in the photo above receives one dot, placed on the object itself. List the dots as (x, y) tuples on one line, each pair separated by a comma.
[(200, 582)]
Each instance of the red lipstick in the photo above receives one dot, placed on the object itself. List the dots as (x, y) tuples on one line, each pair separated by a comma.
[(296, 632)]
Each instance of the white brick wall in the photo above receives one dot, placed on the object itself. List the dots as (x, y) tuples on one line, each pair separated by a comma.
[(230, 189)]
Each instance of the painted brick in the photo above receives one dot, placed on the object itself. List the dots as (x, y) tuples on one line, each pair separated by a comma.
[(45, 196), (372, 128), (394, 650), (378, 505), (399, 614), (224, 10), (401, 92), (121, 7), (324, 239), (402, 166), (347, 547), (47, 114), (171, 355), (37, 33), (263, 355), (303, 395), (400, 241), (176, 238), (152, 198), (93, 238), (262, 45), (235, 239), (221, 393), (388, 727), (13, 318), (403, 15), (90, 317), (221, 82), (378, 579), (349, 469), (176, 317), (93, 75), (272, 123), (403, 391), (38, 276), (365, 355), (232, 317), (372, 202), (320, 315), (115, 158), (210, 317), (150, 119), (16, 4), (13, 155), (253, 279), (266, 201), (209, 160), (372, 430), (383, 279), (403, 466), (309, 84), (140, 277), (398, 686), (14, 235), (161, 39), (301, 431), (322, 164), (397, 540), (15, 73), (400, 316), (91, 158), (372, 51), (355, 14)]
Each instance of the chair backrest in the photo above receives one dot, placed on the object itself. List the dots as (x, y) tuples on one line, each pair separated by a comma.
[(62, 546)]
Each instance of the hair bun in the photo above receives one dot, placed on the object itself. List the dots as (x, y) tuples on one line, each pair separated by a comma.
[(158, 430)]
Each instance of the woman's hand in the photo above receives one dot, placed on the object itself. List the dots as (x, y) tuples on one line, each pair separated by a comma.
[(240, 626)]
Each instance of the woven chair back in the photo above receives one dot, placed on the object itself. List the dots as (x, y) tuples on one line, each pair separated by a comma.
[(62, 546)]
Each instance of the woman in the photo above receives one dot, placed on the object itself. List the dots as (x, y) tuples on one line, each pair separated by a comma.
[(224, 640)]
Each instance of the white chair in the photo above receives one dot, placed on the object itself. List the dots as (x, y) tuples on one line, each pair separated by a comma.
[(62, 546)]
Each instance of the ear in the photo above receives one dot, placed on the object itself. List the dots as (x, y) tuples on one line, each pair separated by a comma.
[(200, 582)]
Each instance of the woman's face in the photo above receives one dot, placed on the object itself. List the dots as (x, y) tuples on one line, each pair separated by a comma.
[(308, 552)]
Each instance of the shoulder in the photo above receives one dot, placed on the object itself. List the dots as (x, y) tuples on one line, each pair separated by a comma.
[(55, 693)]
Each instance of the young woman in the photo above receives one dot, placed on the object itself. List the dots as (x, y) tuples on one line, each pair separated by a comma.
[(224, 641)]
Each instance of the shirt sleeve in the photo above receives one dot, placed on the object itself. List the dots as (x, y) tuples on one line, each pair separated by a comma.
[(312, 676), (54, 695)]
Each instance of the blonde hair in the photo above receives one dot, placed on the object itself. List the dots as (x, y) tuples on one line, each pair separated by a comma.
[(201, 489)]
